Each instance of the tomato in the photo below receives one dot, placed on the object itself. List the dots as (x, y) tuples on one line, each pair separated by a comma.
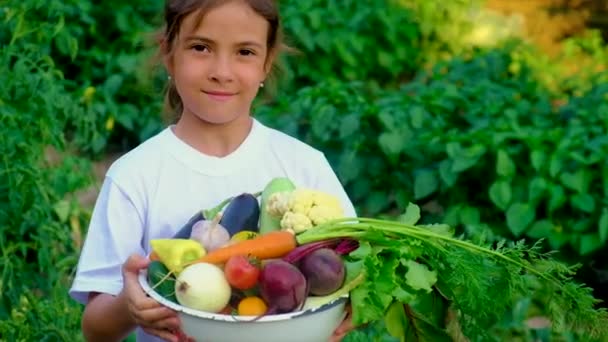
[(241, 273)]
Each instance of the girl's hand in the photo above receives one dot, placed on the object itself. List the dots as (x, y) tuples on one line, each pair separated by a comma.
[(147, 313), (345, 327)]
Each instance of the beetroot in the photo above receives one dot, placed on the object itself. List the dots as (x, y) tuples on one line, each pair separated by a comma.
[(301, 251), (324, 270), (282, 286)]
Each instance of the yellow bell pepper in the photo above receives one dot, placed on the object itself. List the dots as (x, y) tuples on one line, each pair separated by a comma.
[(176, 253)]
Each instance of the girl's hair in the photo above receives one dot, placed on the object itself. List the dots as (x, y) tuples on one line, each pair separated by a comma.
[(177, 10)]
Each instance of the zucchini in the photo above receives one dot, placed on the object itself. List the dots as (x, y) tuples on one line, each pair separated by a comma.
[(269, 223)]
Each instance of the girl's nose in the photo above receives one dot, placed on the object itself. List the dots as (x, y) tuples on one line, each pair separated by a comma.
[(221, 70)]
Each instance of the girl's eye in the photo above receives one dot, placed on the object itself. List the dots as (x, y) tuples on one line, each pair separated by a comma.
[(245, 52), (199, 48)]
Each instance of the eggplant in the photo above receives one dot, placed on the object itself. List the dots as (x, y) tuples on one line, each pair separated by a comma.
[(186, 230), (242, 213)]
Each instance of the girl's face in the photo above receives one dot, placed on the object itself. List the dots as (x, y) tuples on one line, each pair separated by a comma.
[(218, 66)]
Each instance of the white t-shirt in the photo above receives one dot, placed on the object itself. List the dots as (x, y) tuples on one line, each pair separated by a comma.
[(153, 190)]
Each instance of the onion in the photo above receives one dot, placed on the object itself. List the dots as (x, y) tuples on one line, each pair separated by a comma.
[(202, 286)]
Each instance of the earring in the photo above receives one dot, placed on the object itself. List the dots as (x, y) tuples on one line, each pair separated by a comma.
[(261, 84), (169, 77)]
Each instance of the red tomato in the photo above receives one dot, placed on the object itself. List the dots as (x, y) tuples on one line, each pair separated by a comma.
[(240, 273)]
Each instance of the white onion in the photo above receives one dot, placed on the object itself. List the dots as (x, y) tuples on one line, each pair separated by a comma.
[(202, 286)]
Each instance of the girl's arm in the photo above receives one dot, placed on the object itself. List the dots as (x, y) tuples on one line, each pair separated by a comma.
[(112, 318), (106, 318)]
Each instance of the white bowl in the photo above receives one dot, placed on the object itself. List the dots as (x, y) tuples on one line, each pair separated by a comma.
[(312, 325)]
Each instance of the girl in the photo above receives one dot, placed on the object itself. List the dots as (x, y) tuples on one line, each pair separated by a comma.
[(218, 54)]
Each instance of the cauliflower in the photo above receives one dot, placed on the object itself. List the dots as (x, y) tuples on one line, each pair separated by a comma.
[(302, 209), (297, 222), (321, 214), (301, 200), (326, 200), (278, 203)]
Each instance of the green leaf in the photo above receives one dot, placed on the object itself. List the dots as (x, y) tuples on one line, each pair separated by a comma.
[(391, 143), (67, 44), (402, 198), (453, 149), (353, 268), (583, 202), (578, 181), (470, 215), (418, 276), (350, 125), (504, 165), (113, 84), (538, 159), (555, 165), (425, 183), (500, 194), (536, 189), (385, 59), (521, 309), (603, 226), (404, 296), (432, 306), (364, 249), (345, 52), (419, 329), (557, 198), (541, 229), (417, 114), (605, 180), (62, 209), (589, 244), (411, 215), (395, 320), (581, 225), (519, 217), (464, 159), (349, 166), (376, 202), (463, 163), (447, 174), (558, 239), (452, 215)]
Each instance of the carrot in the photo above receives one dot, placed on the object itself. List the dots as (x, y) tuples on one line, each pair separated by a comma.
[(267, 246), (153, 256)]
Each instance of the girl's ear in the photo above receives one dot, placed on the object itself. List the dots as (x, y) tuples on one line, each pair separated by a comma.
[(166, 56)]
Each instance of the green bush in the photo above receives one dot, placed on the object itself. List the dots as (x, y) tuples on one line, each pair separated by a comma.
[(101, 50), (377, 41), (40, 219), (476, 144)]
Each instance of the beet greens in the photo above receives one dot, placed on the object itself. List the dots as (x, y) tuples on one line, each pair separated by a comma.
[(417, 275)]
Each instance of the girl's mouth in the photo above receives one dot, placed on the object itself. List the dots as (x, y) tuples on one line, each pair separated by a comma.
[(219, 95)]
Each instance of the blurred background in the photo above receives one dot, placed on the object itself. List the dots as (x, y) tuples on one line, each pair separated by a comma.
[(491, 115)]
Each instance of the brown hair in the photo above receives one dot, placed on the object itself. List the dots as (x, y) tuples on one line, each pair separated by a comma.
[(177, 10)]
